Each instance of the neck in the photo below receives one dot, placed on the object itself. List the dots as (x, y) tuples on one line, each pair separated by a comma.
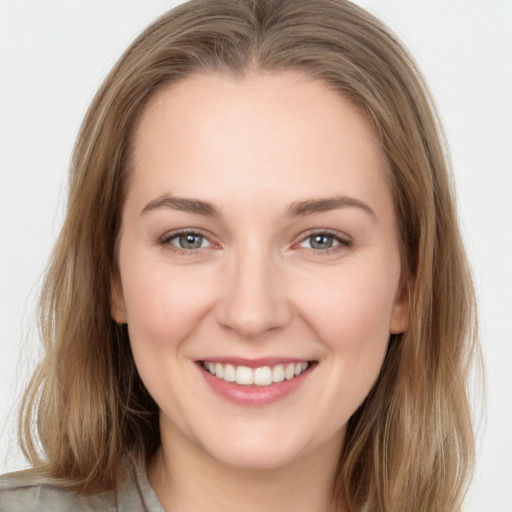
[(186, 479)]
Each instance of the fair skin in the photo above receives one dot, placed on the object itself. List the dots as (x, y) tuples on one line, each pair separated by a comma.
[(267, 274)]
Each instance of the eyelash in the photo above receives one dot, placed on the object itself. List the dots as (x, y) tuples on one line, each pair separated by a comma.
[(342, 242), (165, 241)]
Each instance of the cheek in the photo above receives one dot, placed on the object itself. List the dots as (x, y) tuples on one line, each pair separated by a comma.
[(163, 307), (163, 304), (352, 322), (356, 304), (350, 315)]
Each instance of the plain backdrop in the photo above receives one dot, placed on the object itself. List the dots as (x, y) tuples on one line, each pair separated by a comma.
[(55, 53)]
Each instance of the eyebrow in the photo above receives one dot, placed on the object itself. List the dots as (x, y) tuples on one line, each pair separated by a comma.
[(195, 206), (312, 206), (296, 209)]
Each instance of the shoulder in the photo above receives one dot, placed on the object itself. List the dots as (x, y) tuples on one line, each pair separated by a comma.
[(29, 491)]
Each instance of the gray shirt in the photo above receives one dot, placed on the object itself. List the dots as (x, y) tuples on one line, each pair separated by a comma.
[(28, 491)]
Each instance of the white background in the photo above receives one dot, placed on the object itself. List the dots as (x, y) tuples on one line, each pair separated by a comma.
[(53, 56)]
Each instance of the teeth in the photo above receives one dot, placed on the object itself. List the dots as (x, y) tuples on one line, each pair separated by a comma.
[(263, 376), (229, 373), (289, 372), (244, 375), (278, 373)]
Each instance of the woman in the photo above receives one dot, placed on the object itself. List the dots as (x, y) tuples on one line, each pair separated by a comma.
[(259, 298)]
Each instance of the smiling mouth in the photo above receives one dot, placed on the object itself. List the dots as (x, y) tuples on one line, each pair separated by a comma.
[(262, 376)]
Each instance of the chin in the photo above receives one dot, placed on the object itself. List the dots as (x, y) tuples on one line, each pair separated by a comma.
[(255, 456), (264, 449)]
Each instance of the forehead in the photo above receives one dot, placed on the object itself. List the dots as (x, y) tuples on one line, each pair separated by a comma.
[(283, 133)]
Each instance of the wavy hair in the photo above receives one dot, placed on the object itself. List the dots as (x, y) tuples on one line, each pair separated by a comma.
[(410, 444)]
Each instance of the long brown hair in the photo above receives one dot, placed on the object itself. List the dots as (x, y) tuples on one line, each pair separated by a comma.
[(410, 445)]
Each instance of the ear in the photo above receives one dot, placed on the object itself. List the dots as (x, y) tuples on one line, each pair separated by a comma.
[(400, 315), (117, 304)]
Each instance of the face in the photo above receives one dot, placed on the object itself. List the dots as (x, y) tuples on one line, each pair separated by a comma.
[(258, 243)]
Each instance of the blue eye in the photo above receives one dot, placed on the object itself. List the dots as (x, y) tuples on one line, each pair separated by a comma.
[(189, 241), (186, 241), (324, 242)]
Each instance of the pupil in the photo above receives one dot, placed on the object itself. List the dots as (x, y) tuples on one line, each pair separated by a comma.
[(321, 242), (191, 241)]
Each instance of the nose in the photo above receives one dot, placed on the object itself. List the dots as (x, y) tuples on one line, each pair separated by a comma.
[(254, 300)]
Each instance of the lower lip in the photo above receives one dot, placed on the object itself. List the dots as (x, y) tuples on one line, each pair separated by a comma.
[(255, 396)]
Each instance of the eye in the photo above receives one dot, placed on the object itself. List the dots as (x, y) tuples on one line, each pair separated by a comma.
[(323, 241), (187, 241), (320, 242)]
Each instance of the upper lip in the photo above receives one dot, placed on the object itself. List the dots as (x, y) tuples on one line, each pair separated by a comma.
[(255, 363)]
